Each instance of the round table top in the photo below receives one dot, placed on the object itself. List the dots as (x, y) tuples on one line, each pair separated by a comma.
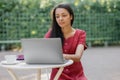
[(23, 65)]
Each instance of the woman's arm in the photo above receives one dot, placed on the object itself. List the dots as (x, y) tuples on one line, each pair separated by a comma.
[(78, 54)]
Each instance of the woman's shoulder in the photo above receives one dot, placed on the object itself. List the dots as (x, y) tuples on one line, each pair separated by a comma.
[(47, 35), (80, 31)]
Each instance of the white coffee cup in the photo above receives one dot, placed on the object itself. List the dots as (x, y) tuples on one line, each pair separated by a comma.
[(10, 58)]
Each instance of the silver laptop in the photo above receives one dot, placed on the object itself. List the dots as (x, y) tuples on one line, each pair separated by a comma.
[(42, 50)]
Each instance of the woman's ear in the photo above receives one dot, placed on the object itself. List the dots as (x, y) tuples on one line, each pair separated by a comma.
[(71, 17)]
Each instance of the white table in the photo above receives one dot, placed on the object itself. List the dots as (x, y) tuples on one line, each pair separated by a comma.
[(23, 65)]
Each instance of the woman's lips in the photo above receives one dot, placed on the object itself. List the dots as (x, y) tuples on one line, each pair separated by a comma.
[(61, 23)]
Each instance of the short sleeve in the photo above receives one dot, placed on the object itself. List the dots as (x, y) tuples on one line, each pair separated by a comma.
[(82, 38), (47, 35)]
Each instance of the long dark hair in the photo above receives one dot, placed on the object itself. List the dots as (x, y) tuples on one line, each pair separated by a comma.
[(56, 29)]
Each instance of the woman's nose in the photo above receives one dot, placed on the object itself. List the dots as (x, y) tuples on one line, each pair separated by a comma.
[(61, 18)]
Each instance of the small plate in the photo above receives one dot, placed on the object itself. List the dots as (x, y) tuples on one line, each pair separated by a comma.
[(5, 62)]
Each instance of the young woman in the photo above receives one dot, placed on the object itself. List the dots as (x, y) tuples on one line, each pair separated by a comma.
[(73, 42)]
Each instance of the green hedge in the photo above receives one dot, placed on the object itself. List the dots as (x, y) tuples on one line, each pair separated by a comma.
[(20, 19)]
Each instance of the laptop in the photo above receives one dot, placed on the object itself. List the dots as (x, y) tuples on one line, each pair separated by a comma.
[(42, 50)]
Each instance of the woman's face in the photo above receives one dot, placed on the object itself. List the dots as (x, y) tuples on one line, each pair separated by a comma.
[(63, 17)]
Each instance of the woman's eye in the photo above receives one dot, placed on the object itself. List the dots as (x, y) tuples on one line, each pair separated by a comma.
[(64, 15), (57, 16)]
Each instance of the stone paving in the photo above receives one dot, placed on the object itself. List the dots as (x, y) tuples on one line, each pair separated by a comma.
[(100, 63)]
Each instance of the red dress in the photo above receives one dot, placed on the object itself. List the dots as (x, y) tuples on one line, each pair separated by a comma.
[(74, 71)]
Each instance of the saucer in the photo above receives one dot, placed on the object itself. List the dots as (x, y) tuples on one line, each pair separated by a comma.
[(5, 62)]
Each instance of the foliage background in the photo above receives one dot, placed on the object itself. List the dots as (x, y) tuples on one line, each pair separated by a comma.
[(31, 18)]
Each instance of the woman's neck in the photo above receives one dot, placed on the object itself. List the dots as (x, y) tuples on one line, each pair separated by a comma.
[(67, 30)]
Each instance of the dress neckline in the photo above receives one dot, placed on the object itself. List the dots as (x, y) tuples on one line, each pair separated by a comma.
[(71, 36)]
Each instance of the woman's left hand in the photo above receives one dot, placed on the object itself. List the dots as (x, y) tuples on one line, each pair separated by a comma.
[(66, 56)]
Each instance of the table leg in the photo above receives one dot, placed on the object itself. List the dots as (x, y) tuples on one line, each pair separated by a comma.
[(58, 73), (47, 73), (13, 75), (39, 74)]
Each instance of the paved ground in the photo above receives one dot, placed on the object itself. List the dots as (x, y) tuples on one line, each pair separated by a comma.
[(101, 63)]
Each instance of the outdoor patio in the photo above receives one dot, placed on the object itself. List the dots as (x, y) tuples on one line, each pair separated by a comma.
[(100, 63)]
